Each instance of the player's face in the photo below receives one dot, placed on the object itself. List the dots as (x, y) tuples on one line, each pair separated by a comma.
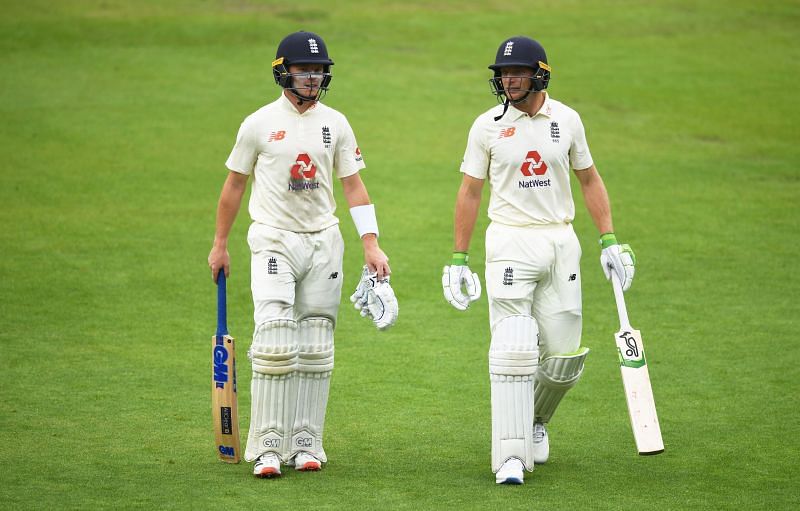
[(516, 81), (307, 78)]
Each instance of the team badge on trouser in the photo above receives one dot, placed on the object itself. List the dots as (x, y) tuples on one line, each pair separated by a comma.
[(513, 358)]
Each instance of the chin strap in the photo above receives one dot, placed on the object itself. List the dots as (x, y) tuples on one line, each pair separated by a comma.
[(515, 102)]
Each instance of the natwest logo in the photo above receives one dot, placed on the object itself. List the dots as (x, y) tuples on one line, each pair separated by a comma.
[(303, 168), (533, 164)]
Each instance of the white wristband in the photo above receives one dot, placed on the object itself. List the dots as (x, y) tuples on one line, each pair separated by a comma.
[(365, 220)]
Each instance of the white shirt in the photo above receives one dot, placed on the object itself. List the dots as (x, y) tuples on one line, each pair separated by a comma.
[(528, 160), (292, 157)]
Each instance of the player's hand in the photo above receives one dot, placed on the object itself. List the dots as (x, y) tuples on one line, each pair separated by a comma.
[(374, 257), (617, 258), (219, 259), (454, 277)]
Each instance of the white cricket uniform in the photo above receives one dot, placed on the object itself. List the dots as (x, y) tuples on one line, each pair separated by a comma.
[(532, 253), (295, 241)]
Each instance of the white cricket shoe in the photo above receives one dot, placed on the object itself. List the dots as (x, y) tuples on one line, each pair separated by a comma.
[(511, 472), (267, 465), (306, 462), (541, 444)]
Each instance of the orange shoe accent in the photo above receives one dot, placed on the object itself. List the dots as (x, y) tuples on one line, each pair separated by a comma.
[(269, 472), (310, 466)]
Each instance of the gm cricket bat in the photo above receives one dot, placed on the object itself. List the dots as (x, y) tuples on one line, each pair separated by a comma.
[(224, 407), (636, 380)]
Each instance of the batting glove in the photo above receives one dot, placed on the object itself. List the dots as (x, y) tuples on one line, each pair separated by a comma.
[(617, 258), (458, 275), (382, 305)]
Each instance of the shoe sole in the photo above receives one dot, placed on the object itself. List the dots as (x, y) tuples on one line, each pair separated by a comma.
[(510, 480), (268, 473), (310, 466)]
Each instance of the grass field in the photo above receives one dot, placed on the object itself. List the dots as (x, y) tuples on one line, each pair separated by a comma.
[(117, 118)]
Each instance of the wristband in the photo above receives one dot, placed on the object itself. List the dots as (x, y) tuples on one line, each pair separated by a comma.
[(365, 220), (460, 259), (608, 239)]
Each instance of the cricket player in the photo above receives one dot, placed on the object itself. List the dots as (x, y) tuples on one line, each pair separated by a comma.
[(293, 148), (526, 147)]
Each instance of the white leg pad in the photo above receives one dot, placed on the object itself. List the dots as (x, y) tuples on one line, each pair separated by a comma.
[(556, 375), (513, 358), (274, 358), (315, 366)]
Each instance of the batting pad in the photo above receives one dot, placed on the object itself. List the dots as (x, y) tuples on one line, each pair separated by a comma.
[(274, 385), (513, 358), (556, 375), (315, 365)]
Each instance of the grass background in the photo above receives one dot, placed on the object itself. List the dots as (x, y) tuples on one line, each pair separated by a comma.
[(117, 118)]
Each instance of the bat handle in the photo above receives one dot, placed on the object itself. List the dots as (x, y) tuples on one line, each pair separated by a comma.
[(222, 305), (619, 296)]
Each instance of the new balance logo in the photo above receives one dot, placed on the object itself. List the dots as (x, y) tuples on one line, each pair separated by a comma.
[(276, 135), (508, 277), (572, 277), (312, 46), (334, 275), (509, 48), (508, 132), (272, 266)]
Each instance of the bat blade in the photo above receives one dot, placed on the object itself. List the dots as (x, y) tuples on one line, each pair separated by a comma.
[(224, 402), (639, 392)]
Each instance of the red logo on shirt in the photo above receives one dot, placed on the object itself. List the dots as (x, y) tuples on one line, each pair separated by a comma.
[(276, 135), (508, 132), (533, 164), (303, 168)]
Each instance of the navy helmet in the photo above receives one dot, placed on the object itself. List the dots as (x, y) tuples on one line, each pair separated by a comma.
[(301, 48), (525, 52)]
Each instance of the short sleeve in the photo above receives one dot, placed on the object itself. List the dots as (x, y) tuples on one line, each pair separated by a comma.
[(244, 155), (579, 156), (476, 156), (347, 158)]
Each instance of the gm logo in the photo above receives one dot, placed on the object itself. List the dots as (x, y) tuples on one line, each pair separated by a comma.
[(220, 367), (274, 443), (227, 450), (305, 442)]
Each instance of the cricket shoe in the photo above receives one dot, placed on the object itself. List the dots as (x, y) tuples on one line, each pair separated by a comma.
[(511, 472), (306, 462), (267, 465), (541, 444)]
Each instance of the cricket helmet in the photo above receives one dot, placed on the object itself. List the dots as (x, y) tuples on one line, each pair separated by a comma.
[(525, 52), (301, 48)]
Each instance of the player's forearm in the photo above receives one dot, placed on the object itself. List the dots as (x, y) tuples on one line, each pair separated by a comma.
[(354, 191), (467, 206), (597, 203), (230, 201)]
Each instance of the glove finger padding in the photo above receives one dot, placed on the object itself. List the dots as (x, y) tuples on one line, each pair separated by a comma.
[(621, 260), (451, 286), (473, 285), (382, 305)]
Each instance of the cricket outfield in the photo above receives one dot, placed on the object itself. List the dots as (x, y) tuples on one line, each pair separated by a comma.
[(117, 120)]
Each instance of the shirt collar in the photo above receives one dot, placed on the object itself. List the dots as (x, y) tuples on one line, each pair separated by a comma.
[(288, 105), (546, 109)]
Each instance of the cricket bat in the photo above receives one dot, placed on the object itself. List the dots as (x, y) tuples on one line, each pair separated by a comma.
[(224, 409), (636, 380)]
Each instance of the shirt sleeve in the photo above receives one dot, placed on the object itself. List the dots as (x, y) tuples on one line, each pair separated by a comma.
[(347, 159), (579, 156), (244, 155), (476, 156)]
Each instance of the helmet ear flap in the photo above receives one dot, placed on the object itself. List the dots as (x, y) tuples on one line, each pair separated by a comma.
[(281, 73)]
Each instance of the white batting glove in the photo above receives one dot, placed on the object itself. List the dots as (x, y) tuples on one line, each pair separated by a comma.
[(367, 282), (382, 305), (454, 277), (617, 258)]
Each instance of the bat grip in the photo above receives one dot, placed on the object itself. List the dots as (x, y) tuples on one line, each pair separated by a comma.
[(222, 305), (619, 296)]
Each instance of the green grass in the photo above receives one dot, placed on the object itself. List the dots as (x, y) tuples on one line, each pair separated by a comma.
[(118, 117)]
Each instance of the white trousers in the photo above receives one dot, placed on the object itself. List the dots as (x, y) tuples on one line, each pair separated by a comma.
[(295, 275), (535, 271)]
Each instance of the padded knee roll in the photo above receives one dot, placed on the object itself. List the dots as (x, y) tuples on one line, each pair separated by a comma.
[(556, 375), (513, 358), (314, 369), (273, 354)]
